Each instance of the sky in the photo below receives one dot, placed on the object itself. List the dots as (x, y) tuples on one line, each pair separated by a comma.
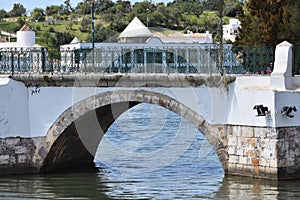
[(31, 4)]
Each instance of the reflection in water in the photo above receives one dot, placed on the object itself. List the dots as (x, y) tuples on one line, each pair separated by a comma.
[(234, 187), (107, 185), (53, 186), (122, 174)]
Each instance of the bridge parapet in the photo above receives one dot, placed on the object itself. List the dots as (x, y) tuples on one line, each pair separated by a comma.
[(125, 80), (281, 77), (161, 59)]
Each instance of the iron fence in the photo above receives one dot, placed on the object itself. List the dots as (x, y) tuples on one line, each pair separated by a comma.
[(296, 60), (145, 59)]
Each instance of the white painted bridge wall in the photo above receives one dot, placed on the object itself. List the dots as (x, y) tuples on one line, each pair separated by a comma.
[(29, 112)]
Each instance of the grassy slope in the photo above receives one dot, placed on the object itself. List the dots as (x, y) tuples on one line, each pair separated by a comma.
[(63, 26)]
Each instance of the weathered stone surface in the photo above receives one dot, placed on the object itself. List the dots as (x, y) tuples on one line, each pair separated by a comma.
[(125, 80), (269, 153), (17, 155)]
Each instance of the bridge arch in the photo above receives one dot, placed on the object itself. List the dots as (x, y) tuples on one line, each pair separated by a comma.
[(73, 139)]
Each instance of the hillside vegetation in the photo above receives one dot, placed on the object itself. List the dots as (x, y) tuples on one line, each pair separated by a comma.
[(59, 24), (264, 23)]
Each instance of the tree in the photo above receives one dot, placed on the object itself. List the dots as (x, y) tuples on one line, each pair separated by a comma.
[(85, 25), (38, 14), (104, 34), (18, 10), (66, 8), (51, 10), (250, 34), (143, 10), (274, 20), (83, 8), (101, 6), (210, 5), (120, 6), (3, 14), (289, 29), (160, 15), (63, 38)]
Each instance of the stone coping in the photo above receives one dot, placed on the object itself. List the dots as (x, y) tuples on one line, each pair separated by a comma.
[(124, 80)]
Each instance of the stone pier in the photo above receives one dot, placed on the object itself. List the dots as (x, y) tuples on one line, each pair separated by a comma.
[(264, 152)]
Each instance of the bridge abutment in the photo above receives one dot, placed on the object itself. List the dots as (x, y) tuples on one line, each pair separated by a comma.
[(20, 155), (264, 152)]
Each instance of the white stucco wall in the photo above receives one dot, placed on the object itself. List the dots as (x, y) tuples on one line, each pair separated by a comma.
[(287, 98), (241, 101), (29, 112), (14, 113)]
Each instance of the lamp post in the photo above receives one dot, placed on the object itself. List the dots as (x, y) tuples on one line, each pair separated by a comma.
[(221, 8), (147, 10), (93, 25), (92, 3)]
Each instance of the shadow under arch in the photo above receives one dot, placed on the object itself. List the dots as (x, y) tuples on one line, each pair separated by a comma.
[(73, 139)]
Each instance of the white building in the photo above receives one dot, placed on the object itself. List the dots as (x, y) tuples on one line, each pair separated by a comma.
[(24, 55), (25, 39), (138, 47), (231, 30), (136, 32)]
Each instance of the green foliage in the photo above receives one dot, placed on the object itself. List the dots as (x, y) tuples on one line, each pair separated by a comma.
[(270, 22), (111, 17), (66, 8), (18, 10), (38, 28), (38, 14), (191, 7), (83, 8), (3, 14), (51, 30), (20, 23), (10, 27), (63, 38), (104, 34), (51, 10), (85, 25)]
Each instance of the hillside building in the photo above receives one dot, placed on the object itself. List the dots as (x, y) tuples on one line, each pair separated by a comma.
[(23, 55), (231, 30), (141, 50)]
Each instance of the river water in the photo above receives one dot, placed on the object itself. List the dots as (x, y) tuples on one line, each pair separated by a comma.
[(149, 153)]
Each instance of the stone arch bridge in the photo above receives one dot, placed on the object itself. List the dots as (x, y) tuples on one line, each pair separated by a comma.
[(54, 122)]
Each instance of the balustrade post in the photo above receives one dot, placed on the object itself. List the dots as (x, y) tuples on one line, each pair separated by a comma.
[(12, 62)]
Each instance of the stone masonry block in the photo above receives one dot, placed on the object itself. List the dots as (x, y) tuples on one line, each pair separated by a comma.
[(22, 159), (4, 159), (273, 163), (264, 162), (248, 132), (240, 151), (231, 151), (233, 159), (21, 150), (12, 141), (243, 160), (232, 141)]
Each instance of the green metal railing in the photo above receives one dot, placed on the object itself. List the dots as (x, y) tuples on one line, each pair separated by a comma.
[(257, 60), (145, 59), (296, 60)]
